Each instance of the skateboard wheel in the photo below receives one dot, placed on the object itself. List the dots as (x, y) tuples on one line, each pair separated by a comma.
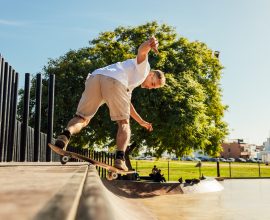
[(64, 159), (114, 175)]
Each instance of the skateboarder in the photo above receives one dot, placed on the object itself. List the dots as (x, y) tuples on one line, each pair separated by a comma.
[(113, 85)]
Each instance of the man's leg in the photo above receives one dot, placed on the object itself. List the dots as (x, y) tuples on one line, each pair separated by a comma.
[(116, 97), (122, 141), (89, 103), (75, 125)]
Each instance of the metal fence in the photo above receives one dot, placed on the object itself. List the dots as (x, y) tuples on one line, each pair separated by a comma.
[(8, 108), (29, 150), (104, 157), (173, 170), (18, 141)]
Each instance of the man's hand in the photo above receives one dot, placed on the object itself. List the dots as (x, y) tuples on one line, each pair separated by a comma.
[(137, 118), (146, 125), (151, 43)]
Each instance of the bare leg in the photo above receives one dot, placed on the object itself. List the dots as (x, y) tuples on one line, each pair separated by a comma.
[(76, 124), (123, 135), (122, 140)]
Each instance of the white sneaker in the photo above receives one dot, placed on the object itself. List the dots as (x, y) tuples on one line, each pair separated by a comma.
[(120, 164)]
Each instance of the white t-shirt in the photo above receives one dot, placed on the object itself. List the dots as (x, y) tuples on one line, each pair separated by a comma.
[(129, 72)]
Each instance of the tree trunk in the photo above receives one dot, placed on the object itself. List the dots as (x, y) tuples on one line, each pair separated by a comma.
[(127, 153)]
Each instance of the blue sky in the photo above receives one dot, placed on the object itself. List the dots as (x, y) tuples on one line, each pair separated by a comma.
[(31, 32)]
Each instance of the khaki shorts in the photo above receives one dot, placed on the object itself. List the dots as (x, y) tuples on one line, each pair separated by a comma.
[(101, 89)]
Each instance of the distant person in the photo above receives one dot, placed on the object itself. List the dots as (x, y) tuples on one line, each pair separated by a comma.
[(159, 177), (136, 175), (154, 172)]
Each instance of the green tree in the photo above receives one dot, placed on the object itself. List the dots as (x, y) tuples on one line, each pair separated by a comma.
[(187, 113)]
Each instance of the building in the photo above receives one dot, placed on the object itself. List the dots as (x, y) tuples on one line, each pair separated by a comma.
[(265, 154), (238, 149)]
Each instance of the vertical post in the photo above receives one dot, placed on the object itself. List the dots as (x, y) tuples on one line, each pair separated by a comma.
[(230, 169), (1, 87), (50, 115), (259, 169), (89, 153), (107, 160), (102, 160), (136, 166), (3, 112), (11, 131), (7, 115), (14, 97), (16, 152), (218, 171), (1, 90), (111, 159), (168, 170), (37, 117), (24, 127), (99, 169)]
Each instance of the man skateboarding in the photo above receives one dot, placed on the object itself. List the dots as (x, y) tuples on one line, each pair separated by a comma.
[(113, 85)]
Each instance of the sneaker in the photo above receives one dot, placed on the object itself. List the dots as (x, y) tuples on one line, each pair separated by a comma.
[(120, 164), (62, 141)]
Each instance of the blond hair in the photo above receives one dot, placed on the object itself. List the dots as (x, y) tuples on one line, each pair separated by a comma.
[(161, 76)]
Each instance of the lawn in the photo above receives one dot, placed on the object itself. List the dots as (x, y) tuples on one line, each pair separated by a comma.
[(173, 170)]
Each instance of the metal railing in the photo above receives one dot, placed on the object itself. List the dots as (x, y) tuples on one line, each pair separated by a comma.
[(104, 157), (173, 170), (18, 141)]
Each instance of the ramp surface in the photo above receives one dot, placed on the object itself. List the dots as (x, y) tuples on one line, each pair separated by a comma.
[(99, 203), (44, 191)]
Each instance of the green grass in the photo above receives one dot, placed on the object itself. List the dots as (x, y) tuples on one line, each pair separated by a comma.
[(187, 169)]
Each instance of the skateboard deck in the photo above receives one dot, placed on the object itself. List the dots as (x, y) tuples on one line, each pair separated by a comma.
[(112, 171)]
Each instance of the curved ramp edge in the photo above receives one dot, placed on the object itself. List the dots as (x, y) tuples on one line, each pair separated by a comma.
[(121, 200), (98, 203)]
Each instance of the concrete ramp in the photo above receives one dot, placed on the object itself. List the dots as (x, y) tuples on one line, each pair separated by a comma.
[(137, 189), (40, 191), (99, 203), (121, 200), (46, 191)]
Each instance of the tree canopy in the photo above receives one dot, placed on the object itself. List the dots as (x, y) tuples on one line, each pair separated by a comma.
[(187, 113)]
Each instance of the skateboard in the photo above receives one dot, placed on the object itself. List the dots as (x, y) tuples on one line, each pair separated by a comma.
[(67, 155)]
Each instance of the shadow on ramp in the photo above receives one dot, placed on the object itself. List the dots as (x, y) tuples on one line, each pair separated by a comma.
[(136, 189), (121, 200)]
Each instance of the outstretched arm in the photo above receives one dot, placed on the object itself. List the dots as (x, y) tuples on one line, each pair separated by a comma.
[(138, 118), (145, 47)]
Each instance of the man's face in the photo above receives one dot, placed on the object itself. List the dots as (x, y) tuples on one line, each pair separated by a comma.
[(151, 82)]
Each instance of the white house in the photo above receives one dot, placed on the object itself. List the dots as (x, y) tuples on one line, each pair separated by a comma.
[(265, 154)]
